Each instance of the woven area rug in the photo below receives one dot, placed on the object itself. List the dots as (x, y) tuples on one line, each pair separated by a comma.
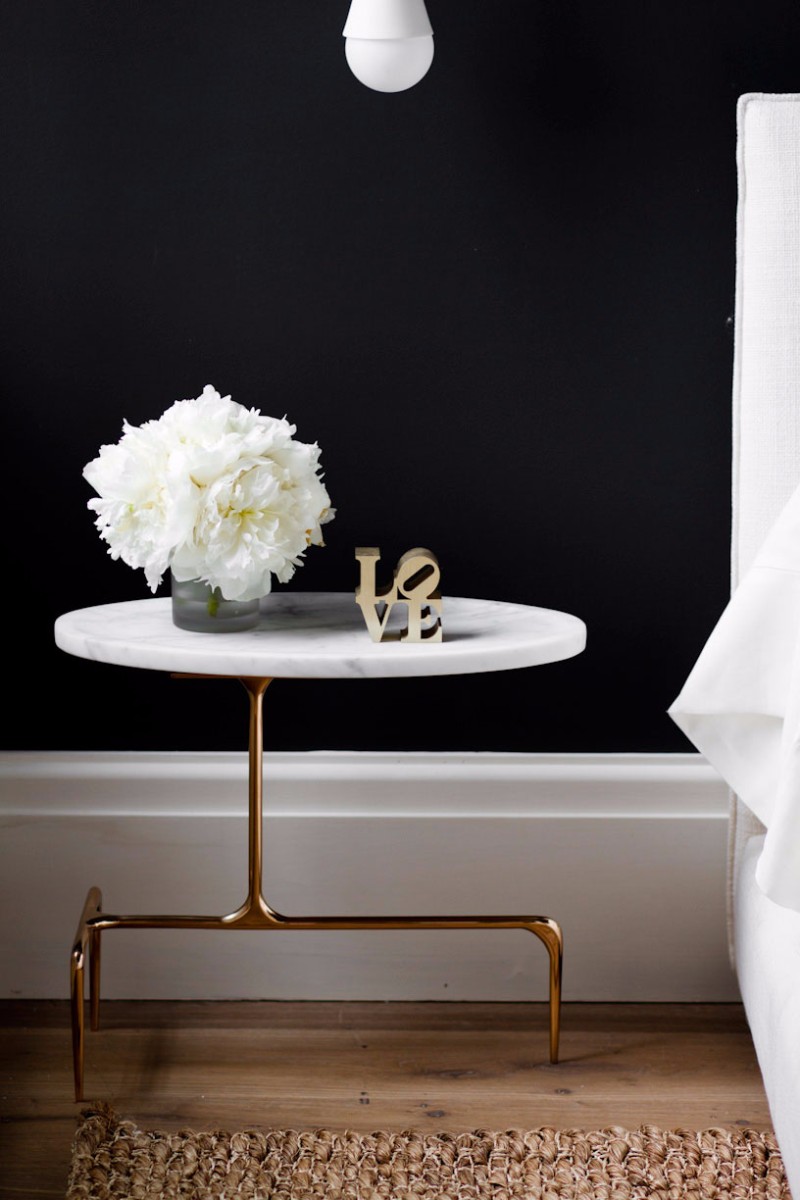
[(113, 1158)]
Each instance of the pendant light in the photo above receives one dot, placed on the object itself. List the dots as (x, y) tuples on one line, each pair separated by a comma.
[(388, 43)]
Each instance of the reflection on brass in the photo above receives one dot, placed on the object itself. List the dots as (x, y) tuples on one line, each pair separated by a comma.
[(255, 913), (414, 583)]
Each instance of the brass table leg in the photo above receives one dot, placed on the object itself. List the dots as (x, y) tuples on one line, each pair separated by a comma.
[(255, 913), (86, 936)]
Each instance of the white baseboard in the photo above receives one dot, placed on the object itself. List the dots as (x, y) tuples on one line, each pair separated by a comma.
[(627, 852)]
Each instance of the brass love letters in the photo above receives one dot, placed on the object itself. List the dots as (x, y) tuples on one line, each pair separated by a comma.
[(414, 583)]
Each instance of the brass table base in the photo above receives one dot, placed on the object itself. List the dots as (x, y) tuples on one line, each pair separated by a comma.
[(255, 913)]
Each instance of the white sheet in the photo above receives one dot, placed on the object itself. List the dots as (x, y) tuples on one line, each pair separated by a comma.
[(740, 705)]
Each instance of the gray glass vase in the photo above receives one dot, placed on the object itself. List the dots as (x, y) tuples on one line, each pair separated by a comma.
[(203, 609)]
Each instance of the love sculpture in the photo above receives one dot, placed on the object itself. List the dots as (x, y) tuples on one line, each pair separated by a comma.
[(414, 583)]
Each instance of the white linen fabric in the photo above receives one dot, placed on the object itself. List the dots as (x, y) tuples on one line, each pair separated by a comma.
[(740, 705)]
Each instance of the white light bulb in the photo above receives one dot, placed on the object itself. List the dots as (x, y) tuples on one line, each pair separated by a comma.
[(388, 43), (389, 64)]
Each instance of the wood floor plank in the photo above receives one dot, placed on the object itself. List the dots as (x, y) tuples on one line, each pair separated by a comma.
[(367, 1066)]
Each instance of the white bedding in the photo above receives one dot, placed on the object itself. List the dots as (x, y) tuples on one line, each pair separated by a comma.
[(768, 957)]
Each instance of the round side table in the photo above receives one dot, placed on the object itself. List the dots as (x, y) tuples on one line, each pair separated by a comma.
[(307, 635)]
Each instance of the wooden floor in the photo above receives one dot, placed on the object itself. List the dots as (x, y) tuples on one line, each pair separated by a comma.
[(367, 1066)]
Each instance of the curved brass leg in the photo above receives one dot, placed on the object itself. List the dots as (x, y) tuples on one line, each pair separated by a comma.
[(546, 929), (549, 932)]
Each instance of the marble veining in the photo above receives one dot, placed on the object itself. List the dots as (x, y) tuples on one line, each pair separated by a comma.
[(321, 635)]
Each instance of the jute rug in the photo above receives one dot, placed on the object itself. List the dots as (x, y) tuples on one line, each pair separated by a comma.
[(113, 1158)]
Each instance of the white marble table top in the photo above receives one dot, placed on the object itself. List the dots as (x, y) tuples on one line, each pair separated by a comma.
[(321, 635)]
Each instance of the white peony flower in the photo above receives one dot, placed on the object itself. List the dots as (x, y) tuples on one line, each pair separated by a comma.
[(214, 491)]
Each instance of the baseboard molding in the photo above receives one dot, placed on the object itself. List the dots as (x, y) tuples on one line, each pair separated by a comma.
[(628, 852)]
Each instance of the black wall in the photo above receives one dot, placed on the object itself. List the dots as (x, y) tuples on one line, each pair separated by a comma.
[(501, 302)]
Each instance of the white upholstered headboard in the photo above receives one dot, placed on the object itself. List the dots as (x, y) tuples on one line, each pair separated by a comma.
[(766, 376), (766, 383)]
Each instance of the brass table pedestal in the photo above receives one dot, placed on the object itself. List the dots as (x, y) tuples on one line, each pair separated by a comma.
[(255, 913)]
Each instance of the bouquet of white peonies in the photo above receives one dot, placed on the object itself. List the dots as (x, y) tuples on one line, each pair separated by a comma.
[(211, 491)]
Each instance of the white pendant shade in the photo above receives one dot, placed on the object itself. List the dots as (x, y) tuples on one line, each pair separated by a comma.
[(395, 19)]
